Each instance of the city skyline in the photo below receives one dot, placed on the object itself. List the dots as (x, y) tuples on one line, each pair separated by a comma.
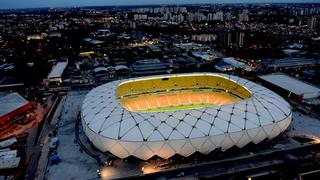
[(159, 89), (17, 4)]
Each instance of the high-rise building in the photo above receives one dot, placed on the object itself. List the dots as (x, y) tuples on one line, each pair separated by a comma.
[(183, 9), (180, 18), (228, 16), (244, 16), (229, 39), (133, 24), (210, 17), (224, 38), (191, 17), (218, 16), (240, 38), (167, 16), (200, 17), (312, 22), (204, 37)]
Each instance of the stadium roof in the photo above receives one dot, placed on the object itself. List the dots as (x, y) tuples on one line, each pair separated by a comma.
[(113, 128), (58, 70), (290, 84), (11, 102)]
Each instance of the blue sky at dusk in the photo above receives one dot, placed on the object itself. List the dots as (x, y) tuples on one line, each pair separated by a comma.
[(12, 4)]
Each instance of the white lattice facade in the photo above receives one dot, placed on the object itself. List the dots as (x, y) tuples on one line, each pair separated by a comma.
[(112, 127)]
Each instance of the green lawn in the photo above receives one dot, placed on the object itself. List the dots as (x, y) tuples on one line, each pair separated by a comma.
[(178, 107)]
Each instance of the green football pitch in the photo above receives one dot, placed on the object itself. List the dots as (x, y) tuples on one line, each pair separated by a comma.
[(178, 107)]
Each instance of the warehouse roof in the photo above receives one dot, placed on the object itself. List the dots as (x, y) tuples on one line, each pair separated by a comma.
[(58, 70), (11, 102), (290, 84)]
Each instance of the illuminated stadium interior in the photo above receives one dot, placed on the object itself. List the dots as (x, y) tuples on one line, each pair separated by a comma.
[(179, 93), (146, 117)]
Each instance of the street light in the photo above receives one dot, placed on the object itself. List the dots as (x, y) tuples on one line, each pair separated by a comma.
[(98, 172)]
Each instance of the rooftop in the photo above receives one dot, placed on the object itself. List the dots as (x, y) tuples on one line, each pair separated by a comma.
[(141, 134), (291, 62), (58, 70), (289, 83), (11, 102)]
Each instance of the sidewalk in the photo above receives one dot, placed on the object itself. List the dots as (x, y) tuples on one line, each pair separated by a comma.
[(44, 141)]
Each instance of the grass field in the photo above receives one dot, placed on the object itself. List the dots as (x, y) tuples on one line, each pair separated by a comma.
[(178, 107)]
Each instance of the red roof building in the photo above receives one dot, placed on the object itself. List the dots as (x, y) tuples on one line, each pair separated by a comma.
[(11, 105)]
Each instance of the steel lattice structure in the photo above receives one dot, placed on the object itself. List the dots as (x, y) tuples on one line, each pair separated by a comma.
[(112, 127)]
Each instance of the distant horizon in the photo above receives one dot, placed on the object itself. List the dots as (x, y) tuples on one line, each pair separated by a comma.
[(30, 4)]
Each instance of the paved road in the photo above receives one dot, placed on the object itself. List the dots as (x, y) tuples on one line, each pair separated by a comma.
[(288, 156), (38, 148)]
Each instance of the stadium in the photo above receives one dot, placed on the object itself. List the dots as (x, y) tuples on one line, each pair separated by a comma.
[(181, 114)]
